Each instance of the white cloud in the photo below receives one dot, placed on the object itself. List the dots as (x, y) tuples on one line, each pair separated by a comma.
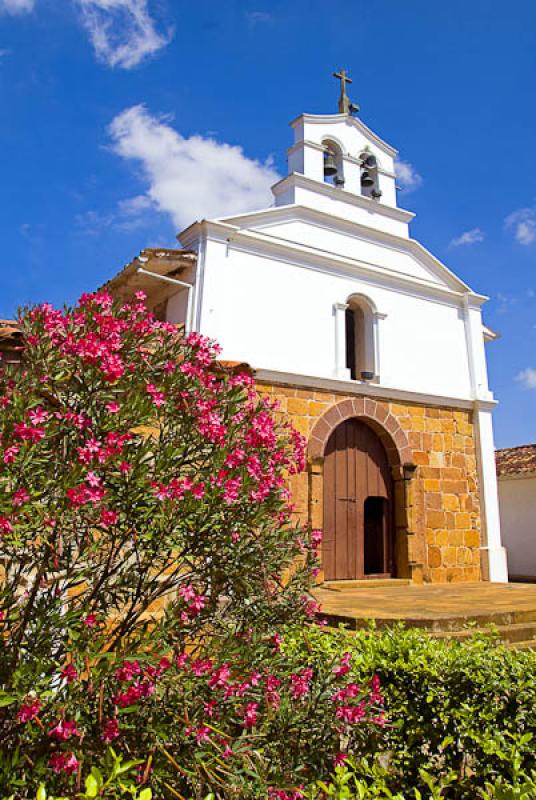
[(523, 223), (407, 176), (255, 18), (189, 178), (469, 237), (122, 32), (527, 377), (16, 6)]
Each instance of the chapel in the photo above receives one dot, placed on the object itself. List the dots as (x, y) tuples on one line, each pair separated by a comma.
[(373, 347)]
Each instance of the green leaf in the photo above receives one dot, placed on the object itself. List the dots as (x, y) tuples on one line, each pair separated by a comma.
[(92, 787), (7, 699), (41, 792), (146, 794)]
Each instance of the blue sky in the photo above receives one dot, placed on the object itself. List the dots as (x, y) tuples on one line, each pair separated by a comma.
[(122, 120)]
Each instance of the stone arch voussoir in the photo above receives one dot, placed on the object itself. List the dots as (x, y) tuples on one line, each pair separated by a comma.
[(375, 415)]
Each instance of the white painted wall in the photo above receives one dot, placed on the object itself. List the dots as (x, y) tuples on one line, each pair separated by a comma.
[(280, 316), (517, 503)]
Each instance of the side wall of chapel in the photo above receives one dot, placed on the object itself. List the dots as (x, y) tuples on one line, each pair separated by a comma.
[(437, 507)]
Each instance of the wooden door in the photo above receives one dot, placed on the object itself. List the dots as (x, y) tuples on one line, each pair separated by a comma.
[(358, 497)]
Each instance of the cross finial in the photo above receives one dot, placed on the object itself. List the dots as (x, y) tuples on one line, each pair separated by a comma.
[(345, 106)]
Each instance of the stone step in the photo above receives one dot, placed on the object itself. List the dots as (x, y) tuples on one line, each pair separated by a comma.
[(369, 583), (517, 633), (530, 644), (434, 624)]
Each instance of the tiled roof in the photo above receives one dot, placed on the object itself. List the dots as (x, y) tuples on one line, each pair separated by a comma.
[(516, 460), (11, 344), (158, 261)]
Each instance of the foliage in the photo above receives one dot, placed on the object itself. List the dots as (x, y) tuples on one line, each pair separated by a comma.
[(461, 714), (148, 566), (363, 781)]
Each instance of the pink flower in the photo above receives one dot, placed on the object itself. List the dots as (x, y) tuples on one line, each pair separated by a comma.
[(110, 730), (112, 367), (200, 666), (141, 296), (90, 620), (113, 407), (250, 715), (92, 479), (182, 660), (202, 734), (340, 759), (23, 431), (128, 671), (108, 517), (125, 467), (63, 762), (63, 730), (344, 667), (28, 711), (157, 397), (69, 673), (10, 453), (38, 415), (5, 526), (219, 677), (187, 592), (299, 683)]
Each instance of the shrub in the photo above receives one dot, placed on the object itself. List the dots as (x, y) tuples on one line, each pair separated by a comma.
[(461, 713), (148, 565)]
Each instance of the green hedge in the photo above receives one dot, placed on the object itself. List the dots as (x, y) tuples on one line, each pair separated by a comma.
[(461, 715)]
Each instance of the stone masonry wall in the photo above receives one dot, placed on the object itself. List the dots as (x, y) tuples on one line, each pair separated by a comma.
[(439, 509)]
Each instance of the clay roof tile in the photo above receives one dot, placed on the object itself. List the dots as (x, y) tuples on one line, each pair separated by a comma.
[(516, 460)]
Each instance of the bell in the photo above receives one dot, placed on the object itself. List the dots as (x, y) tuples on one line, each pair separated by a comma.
[(330, 166), (370, 162), (366, 179)]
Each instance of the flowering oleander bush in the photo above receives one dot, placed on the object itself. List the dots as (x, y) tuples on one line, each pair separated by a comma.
[(147, 566)]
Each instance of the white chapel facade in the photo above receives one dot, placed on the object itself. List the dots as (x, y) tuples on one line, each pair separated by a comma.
[(375, 350)]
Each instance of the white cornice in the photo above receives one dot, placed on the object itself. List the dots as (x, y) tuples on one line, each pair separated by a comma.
[(323, 119), (266, 245), (307, 214), (342, 195), (370, 390)]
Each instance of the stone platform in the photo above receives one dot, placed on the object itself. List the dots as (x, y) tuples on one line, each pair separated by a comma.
[(452, 610)]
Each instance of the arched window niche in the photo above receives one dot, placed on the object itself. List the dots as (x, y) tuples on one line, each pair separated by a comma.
[(333, 163), (360, 329)]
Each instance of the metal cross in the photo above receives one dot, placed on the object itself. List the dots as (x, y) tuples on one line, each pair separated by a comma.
[(345, 106)]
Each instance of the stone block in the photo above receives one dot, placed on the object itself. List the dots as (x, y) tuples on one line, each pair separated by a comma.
[(451, 502), (435, 519), (417, 411), (432, 485), (314, 409), (443, 538), (433, 501), (298, 406), (471, 538), (434, 557), (416, 440), (432, 425), (463, 520), (421, 458)]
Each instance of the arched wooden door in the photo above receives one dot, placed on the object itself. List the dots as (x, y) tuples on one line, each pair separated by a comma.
[(358, 505)]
